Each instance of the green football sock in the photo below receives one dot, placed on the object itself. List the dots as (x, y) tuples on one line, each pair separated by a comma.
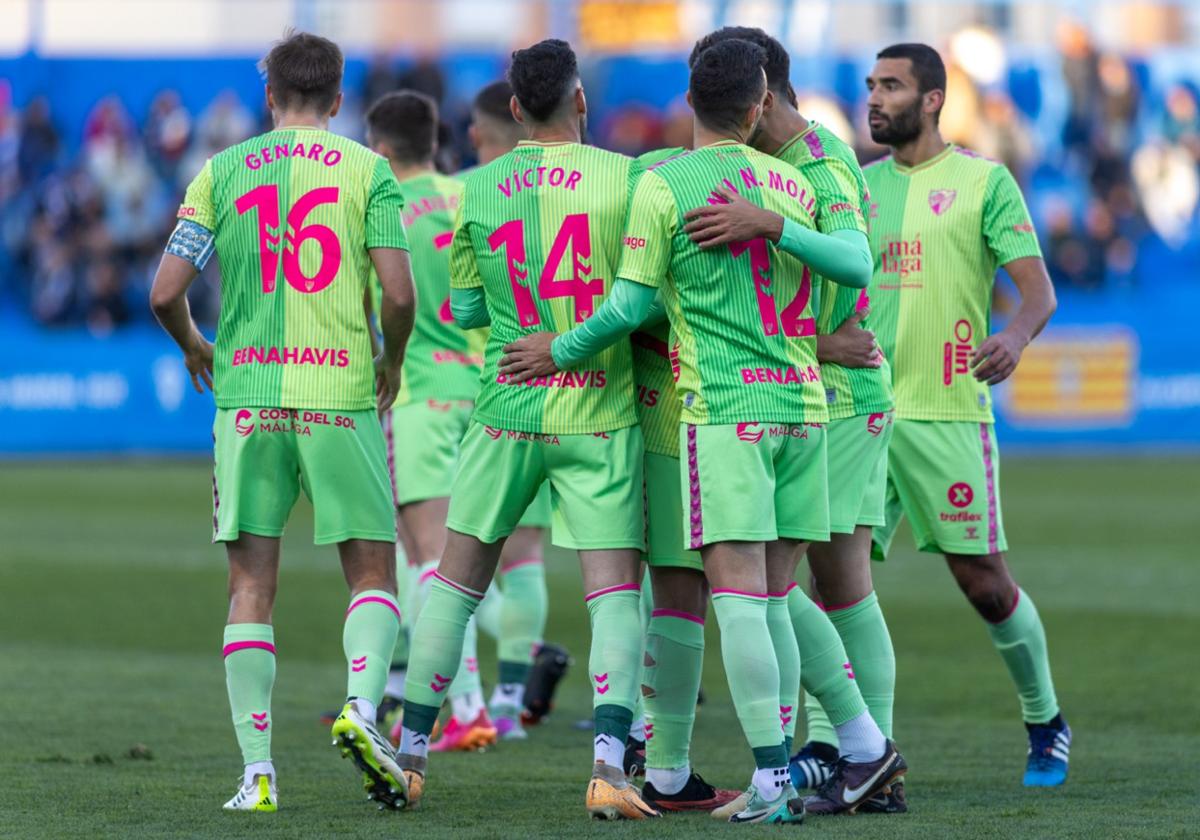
[(787, 654), (752, 672), (826, 673), (818, 727), (615, 659), (869, 648), (369, 638), (466, 680), (522, 618), (671, 679), (436, 651), (1021, 641), (487, 617), (645, 611), (249, 652)]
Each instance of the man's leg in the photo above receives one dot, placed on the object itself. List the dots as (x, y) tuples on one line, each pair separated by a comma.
[(406, 582), (249, 650), (523, 613), (842, 572), (782, 558), (455, 593), (1017, 632)]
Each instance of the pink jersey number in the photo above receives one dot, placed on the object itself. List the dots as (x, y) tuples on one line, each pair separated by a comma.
[(266, 199), (441, 242), (794, 324), (574, 233)]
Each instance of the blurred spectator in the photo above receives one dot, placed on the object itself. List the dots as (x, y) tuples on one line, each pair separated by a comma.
[(168, 133), (38, 145)]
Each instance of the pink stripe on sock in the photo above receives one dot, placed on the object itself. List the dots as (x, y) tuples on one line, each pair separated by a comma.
[(782, 594), (686, 616), (717, 592), (624, 587), (837, 607), (791, 586), (528, 561), (426, 575), (990, 473), (478, 596), (234, 647), (374, 599), (697, 514)]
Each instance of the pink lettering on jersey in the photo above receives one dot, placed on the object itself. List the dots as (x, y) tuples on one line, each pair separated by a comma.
[(901, 257), (282, 151), (815, 147), (780, 376), (564, 379), (789, 187), (539, 176), (956, 354), (441, 357), (313, 356)]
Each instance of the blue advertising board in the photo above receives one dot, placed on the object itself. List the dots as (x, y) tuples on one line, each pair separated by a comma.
[(1115, 371)]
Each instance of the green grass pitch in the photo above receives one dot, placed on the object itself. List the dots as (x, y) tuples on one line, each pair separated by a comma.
[(112, 602)]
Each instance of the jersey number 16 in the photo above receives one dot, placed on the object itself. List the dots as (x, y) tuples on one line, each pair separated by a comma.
[(266, 199)]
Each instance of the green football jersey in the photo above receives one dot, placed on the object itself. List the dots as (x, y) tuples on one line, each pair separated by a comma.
[(843, 203), (657, 403), (440, 362), (294, 212), (539, 229), (741, 315), (939, 231)]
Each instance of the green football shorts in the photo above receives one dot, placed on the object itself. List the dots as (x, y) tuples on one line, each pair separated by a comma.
[(754, 482), (423, 440), (945, 477), (593, 485), (537, 515), (664, 511), (265, 456), (858, 455)]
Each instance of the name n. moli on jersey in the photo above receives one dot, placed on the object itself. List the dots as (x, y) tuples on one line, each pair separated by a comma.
[(563, 379), (284, 151), (327, 356), (902, 258), (539, 176), (776, 182), (780, 376)]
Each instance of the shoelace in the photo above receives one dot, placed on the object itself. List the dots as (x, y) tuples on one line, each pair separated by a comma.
[(827, 787)]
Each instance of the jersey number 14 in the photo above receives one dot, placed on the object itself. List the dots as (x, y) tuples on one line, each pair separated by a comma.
[(573, 233)]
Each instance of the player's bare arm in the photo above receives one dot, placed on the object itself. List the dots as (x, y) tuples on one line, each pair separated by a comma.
[(187, 252), (397, 309), (997, 357), (850, 345)]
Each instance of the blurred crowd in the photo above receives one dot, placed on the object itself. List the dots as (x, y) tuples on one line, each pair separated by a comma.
[(81, 230)]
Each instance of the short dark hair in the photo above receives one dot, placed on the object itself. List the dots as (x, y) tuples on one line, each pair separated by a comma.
[(407, 121), (492, 101), (727, 79), (542, 77), (927, 65), (304, 71), (777, 64)]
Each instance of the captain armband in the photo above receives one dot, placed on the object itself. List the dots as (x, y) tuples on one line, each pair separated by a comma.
[(192, 242)]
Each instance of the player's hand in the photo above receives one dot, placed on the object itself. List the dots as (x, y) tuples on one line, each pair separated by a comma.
[(528, 358), (996, 359), (198, 358), (850, 345), (387, 384), (735, 220)]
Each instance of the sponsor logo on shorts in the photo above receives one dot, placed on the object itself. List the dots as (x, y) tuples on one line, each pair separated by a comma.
[(292, 420), (960, 494), (749, 432), (876, 423), (940, 200), (243, 422), (509, 434), (972, 532)]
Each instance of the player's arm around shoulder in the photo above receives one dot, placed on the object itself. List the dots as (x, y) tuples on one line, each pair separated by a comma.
[(188, 250), (1010, 236)]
